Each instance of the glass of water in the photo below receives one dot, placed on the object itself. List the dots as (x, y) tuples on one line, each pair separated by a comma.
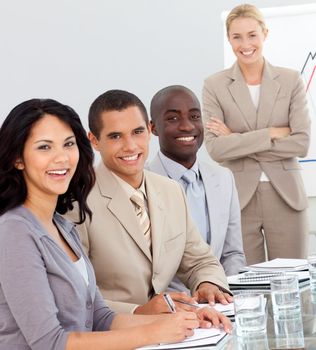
[(289, 332), (312, 271), (250, 316), (285, 296), (250, 342)]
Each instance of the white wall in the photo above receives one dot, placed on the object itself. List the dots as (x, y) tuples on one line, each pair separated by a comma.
[(73, 50)]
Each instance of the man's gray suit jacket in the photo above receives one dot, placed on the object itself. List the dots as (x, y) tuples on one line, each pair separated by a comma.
[(224, 213)]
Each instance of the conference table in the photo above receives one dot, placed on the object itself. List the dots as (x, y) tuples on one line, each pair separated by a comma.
[(297, 334)]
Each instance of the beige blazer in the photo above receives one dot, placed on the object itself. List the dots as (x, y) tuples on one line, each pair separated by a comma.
[(248, 150), (127, 274)]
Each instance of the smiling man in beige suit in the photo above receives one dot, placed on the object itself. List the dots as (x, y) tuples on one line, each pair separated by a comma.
[(133, 263)]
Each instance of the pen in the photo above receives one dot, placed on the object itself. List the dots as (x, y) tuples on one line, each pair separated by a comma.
[(187, 303), (169, 302)]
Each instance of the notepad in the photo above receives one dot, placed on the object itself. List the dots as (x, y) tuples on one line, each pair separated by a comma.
[(201, 337)]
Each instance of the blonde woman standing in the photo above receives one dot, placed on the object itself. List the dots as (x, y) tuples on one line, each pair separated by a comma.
[(257, 123)]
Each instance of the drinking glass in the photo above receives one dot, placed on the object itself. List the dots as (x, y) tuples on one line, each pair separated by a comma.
[(285, 295), (250, 313), (312, 271)]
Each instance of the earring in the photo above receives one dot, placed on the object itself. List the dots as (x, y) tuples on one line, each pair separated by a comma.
[(19, 164)]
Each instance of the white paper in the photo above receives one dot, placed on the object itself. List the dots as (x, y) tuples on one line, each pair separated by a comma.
[(281, 264), (202, 336), (227, 310)]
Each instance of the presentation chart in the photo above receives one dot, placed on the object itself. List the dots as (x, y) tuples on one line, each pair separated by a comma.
[(309, 77)]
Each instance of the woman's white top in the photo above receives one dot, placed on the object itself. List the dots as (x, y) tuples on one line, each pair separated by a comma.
[(82, 268), (254, 91)]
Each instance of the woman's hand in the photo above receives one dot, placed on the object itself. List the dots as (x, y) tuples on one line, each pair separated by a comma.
[(173, 328), (209, 317), (279, 133), (217, 127)]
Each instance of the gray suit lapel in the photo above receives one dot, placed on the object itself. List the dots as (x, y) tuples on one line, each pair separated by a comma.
[(240, 94), (212, 190), (268, 95), (121, 207)]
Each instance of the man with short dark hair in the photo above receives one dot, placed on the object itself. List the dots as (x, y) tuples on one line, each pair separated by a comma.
[(141, 234), (210, 189)]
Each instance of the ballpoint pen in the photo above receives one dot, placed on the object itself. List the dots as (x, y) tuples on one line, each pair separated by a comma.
[(169, 302), (187, 303)]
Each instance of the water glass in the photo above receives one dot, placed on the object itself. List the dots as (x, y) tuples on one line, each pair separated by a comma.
[(312, 271), (313, 298), (285, 296), (289, 332), (250, 313), (256, 341)]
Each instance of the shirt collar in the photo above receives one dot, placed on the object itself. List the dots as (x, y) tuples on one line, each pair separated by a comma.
[(128, 189), (174, 169)]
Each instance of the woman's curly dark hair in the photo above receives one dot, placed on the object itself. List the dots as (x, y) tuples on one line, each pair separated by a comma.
[(14, 132)]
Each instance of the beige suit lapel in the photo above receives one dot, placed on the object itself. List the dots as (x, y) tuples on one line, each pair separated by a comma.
[(157, 218), (116, 201), (268, 95), (240, 94)]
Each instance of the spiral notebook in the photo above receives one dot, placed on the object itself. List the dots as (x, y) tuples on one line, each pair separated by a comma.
[(258, 276), (261, 280)]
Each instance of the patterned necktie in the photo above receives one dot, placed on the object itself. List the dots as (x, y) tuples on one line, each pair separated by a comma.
[(196, 202), (138, 200)]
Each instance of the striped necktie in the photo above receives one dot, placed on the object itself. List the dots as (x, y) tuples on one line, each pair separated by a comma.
[(138, 200)]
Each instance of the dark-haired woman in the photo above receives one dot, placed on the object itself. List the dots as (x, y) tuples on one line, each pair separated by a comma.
[(48, 293)]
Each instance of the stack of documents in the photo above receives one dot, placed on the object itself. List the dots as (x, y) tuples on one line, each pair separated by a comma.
[(280, 265), (258, 276)]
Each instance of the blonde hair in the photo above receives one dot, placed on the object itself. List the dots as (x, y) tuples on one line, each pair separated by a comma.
[(247, 11)]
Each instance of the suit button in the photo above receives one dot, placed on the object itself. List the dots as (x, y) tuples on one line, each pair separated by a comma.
[(88, 324), (88, 305)]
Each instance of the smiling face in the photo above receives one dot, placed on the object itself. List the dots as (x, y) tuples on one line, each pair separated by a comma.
[(246, 37), (49, 160), (123, 143), (178, 125)]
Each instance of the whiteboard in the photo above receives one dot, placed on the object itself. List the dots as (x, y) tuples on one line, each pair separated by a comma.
[(291, 43)]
